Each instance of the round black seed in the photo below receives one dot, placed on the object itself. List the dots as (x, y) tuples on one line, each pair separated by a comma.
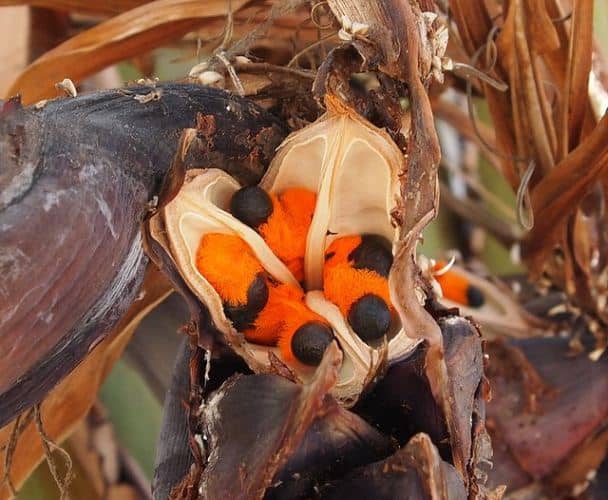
[(370, 317), (373, 253), (475, 296), (251, 205), (257, 293), (243, 317), (310, 341)]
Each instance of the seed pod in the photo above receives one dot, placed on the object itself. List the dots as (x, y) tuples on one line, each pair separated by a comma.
[(352, 168)]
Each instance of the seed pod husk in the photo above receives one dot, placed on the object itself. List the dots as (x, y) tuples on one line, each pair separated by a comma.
[(353, 168)]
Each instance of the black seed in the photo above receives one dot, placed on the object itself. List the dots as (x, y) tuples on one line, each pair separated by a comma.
[(475, 296), (243, 317), (251, 205), (310, 341), (257, 293), (373, 253), (370, 317)]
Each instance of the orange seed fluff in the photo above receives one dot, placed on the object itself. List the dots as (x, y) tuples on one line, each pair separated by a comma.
[(286, 229), (229, 265), (284, 313), (342, 283), (457, 287)]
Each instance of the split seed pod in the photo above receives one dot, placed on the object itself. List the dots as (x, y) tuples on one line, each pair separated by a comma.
[(353, 168)]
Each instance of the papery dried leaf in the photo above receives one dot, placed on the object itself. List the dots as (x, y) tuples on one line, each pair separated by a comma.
[(589, 235), (76, 179), (128, 34), (542, 33), (576, 93), (85, 6), (13, 45), (531, 101), (519, 50), (473, 22)]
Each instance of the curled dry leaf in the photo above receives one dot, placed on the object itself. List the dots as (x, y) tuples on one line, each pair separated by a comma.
[(547, 119), (128, 34), (109, 7), (565, 186), (74, 196)]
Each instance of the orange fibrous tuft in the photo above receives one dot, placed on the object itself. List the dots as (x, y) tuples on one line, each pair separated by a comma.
[(286, 229), (271, 320), (337, 253), (343, 285), (229, 265), (453, 285), (298, 314), (284, 313)]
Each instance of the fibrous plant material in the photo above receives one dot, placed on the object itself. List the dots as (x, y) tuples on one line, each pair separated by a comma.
[(545, 125), (550, 145)]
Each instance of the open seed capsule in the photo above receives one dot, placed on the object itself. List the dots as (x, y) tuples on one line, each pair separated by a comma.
[(351, 168)]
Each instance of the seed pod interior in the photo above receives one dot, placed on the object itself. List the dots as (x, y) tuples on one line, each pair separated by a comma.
[(353, 168)]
